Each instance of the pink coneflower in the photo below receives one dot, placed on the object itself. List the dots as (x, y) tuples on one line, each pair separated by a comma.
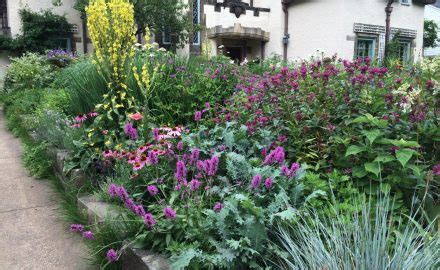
[(104, 132), (132, 159), (107, 153), (137, 166), (142, 148), (136, 116), (218, 207), (81, 118), (169, 213), (76, 125), (152, 189), (88, 235), (93, 114), (175, 132), (112, 256)]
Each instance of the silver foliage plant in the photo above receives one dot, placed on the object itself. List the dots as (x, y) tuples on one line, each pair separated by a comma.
[(367, 240)]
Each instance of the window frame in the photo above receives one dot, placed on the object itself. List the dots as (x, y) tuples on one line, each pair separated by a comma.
[(375, 43), (164, 33), (407, 55), (196, 21), (408, 3)]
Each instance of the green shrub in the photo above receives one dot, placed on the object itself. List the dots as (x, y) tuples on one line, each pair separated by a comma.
[(36, 160), (27, 72)]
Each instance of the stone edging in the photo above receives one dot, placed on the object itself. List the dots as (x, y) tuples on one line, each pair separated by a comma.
[(97, 211)]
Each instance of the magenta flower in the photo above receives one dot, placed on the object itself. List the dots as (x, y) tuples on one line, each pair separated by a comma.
[(81, 118), (130, 131), (436, 169), (122, 193), (290, 173), (194, 157), (76, 228), (194, 184), (93, 114), (88, 235), (256, 181), (198, 116), (179, 146), (112, 256), (268, 183), (152, 189), (218, 207), (181, 171), (156, 134), (113, 190), (152, 156), (149, 220), (275, 156), (169, 213)]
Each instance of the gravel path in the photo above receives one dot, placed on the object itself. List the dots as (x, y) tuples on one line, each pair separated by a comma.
[(32, 234)]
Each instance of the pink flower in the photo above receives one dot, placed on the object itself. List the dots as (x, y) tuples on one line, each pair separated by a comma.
[(256, 181), (179, 146), (142, 149), (152, 189), (268, 183), (198, 116), (169, 213), (436, 169), (76, 125), (149, 220), (107, 153), (81, 118), (88, 235), (218, 207), (136, 116), (76, 228), (194, 184), (137, 166), (93, 114), (112, 256)]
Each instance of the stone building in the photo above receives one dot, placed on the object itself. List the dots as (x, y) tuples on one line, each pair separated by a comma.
[(299, 28)]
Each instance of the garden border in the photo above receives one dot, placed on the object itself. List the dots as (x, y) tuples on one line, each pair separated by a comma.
[(98, 211)]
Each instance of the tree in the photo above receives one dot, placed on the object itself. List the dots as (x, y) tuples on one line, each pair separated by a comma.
[(159, 16), (430, 34)]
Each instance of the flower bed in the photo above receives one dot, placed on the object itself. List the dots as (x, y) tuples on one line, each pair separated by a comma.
[(219, 166)]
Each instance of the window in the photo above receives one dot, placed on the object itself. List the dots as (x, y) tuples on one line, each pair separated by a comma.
[(405, 2), (196, 20), (404, 51), (3, 14), (365, 47), (63, 43), (166, 36)]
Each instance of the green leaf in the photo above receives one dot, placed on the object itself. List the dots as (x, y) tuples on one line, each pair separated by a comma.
[(404, 155), (184, 259), (384, 158), (373, 167), (359, 172), (371, 135), (354, 149), (399, 143)]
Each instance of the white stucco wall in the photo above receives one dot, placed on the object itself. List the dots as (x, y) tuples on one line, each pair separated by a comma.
[(227, 19), (66, 8), (325, 24), (433, 13)]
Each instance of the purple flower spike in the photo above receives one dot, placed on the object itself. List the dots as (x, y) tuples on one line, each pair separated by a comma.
[(112, 256), (152, 189), (169, 213), (256, 181), (88, 235)]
